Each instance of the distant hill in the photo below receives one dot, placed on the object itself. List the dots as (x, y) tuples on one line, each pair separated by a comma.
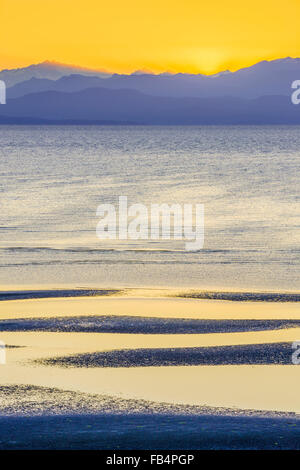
[(49, 70), (68, 84), (262, 79), (101, 105)]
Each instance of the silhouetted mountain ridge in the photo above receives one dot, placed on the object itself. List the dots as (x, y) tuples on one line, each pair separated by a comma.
[(264, 78), (46, 70), (102, 105)]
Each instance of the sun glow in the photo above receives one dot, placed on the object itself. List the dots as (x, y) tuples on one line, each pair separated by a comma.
[(192, 36)]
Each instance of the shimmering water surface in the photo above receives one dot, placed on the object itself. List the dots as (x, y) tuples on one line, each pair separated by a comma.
[(53, 179)]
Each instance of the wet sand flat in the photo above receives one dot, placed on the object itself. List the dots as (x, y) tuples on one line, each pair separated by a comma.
[(83, 363), (141, 303), (263, 387)]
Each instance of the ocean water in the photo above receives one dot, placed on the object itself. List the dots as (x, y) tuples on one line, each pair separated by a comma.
[(53, 179)]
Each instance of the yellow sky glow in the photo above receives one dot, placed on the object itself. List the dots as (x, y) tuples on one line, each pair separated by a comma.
[(162, 35)]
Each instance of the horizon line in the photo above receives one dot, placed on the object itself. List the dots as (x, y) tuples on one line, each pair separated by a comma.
[(140, 71)]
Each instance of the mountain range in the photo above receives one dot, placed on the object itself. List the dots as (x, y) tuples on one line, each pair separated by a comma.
[(49, 69), (56, 93)]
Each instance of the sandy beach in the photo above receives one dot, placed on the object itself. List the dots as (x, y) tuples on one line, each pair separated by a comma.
[(101, 366)]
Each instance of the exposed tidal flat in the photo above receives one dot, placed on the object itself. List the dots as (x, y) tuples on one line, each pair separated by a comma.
[(149, 368)]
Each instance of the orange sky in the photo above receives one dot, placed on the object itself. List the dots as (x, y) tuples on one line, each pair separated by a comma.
[(159, 35)]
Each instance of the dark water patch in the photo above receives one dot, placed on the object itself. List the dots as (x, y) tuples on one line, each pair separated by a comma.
[(47, 418), (149, 262), (82, 249), (32, 400), (243, 296), (277, 353), (131, 432), (143, 325), (44, 294)]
